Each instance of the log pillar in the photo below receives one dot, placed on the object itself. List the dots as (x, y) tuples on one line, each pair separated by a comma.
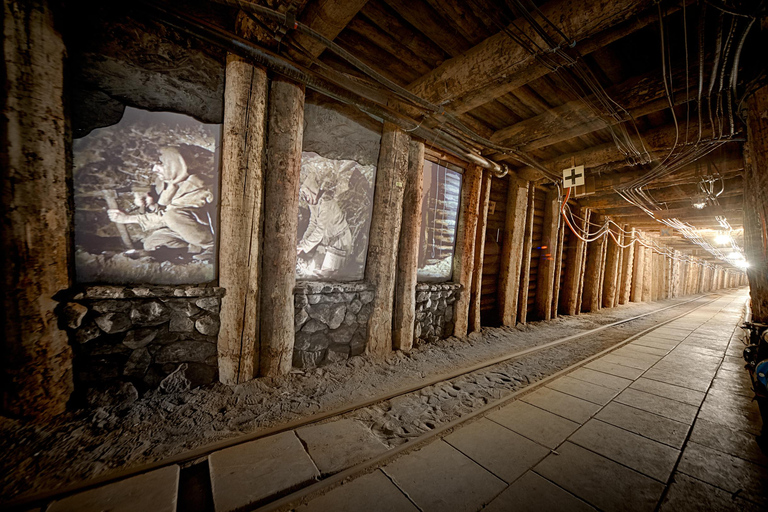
[(756, 202), (512, 249), (648, 276), (627, 266), (408, 251), (242, 189), (545, 286), (591, 300), (466, 232), (574, 277), (612, 267), (558, 266), (477, 272), (638, 272), (525, 269), (285, 128), (380, 271), (36, 214)]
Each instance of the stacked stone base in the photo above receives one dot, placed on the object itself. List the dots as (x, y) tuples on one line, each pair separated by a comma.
[(434, 310)]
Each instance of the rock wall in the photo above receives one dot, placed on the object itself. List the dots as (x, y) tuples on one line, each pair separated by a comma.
[(330, 322), (140, 335), (434, 310)]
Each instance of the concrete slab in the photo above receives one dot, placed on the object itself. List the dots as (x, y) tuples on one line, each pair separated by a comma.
[(646, 350), (685, 395), (439, 477), (659, 343), (634, 353), (698, 383), (727, 440), (738, 388), (614, 369), (341, 444), (247, 474), (600, 481), (601, 379), (584, 390), (726, 472), (628, 361), (671, 409), (504, 453), (532, 493), (567, 406), (639, 453), (155, 491), (534, 423), (373, 492), (652, 426), (687, 494), (732, 417)]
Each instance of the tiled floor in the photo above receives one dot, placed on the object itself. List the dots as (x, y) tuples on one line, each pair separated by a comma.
[(665, 422)]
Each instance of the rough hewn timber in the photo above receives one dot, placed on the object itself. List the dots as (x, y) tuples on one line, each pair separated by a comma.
[(545, 286), (525, 269), (647, 282), (242, 188), (408, 251), (756, 203), (477, 273), (637, 273), (381, 265), (593, 273), (498, 64), (512, 249), (558, 266), (617, 296), (327, 17), (628, 258), (36, 218), (285, 126), (612, 267), (466, 233), (574, 276)]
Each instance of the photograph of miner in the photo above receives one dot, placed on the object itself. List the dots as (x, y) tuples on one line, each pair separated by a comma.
[(335, 204), (439, 215), (146, 200)]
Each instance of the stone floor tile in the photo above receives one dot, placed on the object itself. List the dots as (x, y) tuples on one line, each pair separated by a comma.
[(728, 440), (726, 472), (373, 492), (685, 395), (584, 390), (504, 453), (671, 409), (647, 424), (341, 444), (639, 453), (634, 353), (650, 341), (600, 481), (614, 369), (628, 361), (439, 478), (648, 350), (670, 336), (532, 493), (687, 494), (155, 491), (567, 406), (732, 417), (697, 383), (534, 423), (601, 379), (249, 473), (739, 388)]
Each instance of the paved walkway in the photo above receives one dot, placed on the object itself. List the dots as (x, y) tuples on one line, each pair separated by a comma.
[(665, 422)]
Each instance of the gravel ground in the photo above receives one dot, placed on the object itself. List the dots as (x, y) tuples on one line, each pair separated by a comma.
[(85, 444)]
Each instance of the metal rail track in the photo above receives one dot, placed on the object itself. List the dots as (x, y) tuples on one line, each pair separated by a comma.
[(329, 482)]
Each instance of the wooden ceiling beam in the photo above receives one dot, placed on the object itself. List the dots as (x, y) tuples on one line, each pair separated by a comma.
[(328, 17), (733, 187)]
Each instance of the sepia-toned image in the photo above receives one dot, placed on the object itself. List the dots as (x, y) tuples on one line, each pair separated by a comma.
[(146, 200), (439, 214), (335, 204)]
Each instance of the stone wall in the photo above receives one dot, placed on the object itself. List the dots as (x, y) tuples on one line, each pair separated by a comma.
[(330, 322), (434, 310), (143, 334)]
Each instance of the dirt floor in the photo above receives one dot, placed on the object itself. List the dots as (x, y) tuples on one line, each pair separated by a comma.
[(88, 443)]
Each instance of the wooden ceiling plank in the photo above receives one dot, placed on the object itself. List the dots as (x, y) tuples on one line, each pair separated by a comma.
[(363, 28), (328, 17), (431, 24)]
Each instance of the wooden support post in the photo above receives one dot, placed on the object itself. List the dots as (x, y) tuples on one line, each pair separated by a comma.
[(386, 220), (593, 273), (408, 251), (525, 269), (545, 286), (648, 276), (612, 267), (638, 272), (627, 266), (574, 277), (464, 256), (619, 267), (35, 228), (285, 128), (477, 274), (242, 189), (558, 266), (512, 249)]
